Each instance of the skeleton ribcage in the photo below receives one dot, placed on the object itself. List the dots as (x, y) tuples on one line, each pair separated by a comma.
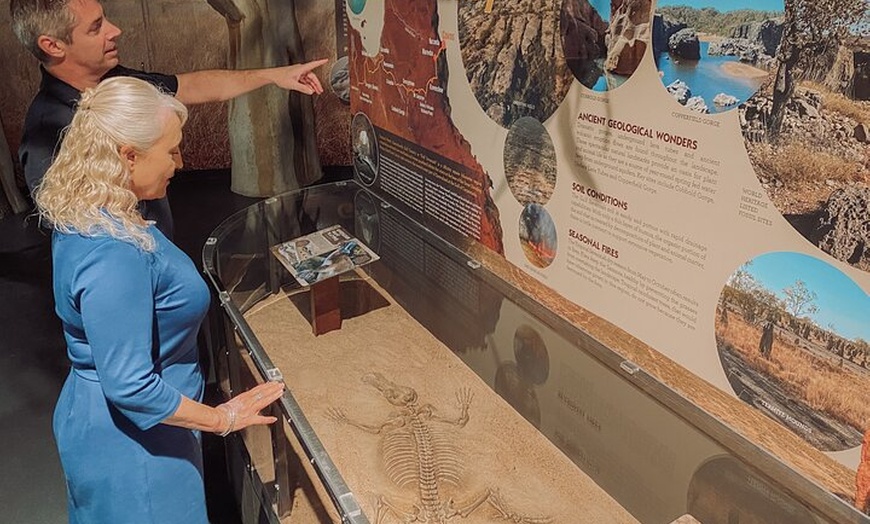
[(421, 455)]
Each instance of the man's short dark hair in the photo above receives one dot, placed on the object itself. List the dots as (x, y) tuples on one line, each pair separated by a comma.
[(34, 18)]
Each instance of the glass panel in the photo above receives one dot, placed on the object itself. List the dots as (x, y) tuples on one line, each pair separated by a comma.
[(632, 443)]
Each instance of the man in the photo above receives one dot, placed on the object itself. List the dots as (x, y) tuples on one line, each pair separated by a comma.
[(77, 47)]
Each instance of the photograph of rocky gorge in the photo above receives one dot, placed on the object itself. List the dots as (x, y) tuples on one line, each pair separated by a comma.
[(711, 56), (807, 134), (794, 343), (530, 162), (512, 58), (604, 40)]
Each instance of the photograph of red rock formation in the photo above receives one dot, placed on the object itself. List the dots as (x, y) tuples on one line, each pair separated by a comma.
[(792, 336), (710, 58), (513, 59), (604, 41), (399, 76), (808, 133), (530, 162)]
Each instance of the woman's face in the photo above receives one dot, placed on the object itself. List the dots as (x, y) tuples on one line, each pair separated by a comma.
[(150, 170)]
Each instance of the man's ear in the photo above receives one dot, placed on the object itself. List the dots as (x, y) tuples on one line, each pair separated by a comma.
[(128, 156), (51, 46)]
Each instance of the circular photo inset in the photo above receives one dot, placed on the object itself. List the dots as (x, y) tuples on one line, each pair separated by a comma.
[(533, 360), (367, 220), (512, 59), (530, 162), (792, 336), (725, 491), (712, 56), (365, 149), (603, 48), (538, 235), (339, 80), (518, 392)]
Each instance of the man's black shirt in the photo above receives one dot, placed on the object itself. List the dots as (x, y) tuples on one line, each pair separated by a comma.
[(51, 111)]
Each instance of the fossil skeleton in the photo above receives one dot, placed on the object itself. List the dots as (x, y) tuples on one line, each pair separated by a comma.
[(416, 452)]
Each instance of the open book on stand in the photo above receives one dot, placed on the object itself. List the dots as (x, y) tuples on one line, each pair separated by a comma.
[(323, 254)]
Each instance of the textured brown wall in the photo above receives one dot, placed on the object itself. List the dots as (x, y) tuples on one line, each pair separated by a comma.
[(317, 27)]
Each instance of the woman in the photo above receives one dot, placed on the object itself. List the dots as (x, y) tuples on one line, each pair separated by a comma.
[(128, 418)]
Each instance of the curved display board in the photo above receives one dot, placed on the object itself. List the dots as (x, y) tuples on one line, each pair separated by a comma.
[(639, 193)]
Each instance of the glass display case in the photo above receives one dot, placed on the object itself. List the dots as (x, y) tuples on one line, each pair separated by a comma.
[(450, 393)]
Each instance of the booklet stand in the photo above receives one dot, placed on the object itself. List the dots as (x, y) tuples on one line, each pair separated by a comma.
[(317, 259), (325, 306)]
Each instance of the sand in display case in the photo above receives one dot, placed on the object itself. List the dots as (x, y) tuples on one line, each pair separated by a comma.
[(414, 431)]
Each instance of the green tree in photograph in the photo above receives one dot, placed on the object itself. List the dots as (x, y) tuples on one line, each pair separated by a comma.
[(799, 299)]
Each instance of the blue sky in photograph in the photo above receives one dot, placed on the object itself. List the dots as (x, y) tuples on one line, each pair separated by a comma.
[(603, 8), (728, 5), (840, 300)]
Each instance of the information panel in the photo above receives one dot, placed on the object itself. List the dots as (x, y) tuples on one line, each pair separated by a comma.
[(694, 172)]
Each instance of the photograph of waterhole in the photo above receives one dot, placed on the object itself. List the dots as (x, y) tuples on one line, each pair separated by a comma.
[(711, 56)]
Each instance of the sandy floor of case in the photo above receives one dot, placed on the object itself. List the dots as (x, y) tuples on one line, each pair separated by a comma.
[(496, 466)]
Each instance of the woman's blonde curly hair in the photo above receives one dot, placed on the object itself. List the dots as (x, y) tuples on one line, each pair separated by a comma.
[(87, 189)]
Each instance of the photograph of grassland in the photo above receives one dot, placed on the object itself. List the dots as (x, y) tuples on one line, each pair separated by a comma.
[(807, 130), (530, 162), (713, 56), (792, 336)]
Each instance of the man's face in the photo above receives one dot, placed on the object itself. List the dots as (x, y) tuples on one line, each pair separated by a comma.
[(93, 46)]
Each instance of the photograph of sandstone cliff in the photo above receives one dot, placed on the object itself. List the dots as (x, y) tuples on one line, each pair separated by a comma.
[(512, 57), (711, 60), (530, 162), (807, 132), (794, 343), (604, 40)]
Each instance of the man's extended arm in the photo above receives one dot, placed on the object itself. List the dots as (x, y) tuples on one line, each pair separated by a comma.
[(218, 85)]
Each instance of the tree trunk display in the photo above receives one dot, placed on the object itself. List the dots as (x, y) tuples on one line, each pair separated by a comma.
[(271, 131)]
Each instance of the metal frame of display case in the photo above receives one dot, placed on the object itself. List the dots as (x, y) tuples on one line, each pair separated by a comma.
[(809, 493)]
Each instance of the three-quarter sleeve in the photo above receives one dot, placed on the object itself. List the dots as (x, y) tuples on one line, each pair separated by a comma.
[(114, 286)]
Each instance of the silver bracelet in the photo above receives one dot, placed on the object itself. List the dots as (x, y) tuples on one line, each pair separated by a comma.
[(232, 414)]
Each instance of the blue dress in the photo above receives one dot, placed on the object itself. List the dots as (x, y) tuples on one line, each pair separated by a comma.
[(130, 319)]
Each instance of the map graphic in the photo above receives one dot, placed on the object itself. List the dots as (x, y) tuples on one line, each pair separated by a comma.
[(399, 79)]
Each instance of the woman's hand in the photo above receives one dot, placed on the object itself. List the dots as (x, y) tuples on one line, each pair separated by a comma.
[(243, 410)]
